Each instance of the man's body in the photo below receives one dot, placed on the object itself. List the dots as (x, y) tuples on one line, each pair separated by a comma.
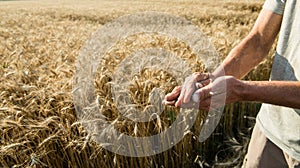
[(279, 122)]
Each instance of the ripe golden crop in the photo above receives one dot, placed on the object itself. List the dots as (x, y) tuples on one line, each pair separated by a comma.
[(39, 43)]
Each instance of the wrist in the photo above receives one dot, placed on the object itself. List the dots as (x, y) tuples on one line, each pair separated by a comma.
[(218, 72), (245, 90)]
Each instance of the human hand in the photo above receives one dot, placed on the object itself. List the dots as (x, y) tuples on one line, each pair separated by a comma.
[(223, 90), (182, 94), (191, 84)]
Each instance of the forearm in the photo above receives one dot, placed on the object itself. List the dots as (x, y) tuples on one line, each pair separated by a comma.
[(252, 50), (283, 93), (244, 57)]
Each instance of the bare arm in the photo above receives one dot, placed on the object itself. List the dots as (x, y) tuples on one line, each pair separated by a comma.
[(244, 57), (249, 53), (283, 93), (252, 49)]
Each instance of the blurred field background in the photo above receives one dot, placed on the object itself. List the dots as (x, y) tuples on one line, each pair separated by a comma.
[(39, 43)]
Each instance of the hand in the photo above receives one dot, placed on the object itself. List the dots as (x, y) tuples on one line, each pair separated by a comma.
[(171, 98), (182, 94), (223, 90), (190, 85)]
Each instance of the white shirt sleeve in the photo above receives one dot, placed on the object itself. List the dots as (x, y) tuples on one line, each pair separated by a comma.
[(276, 6)]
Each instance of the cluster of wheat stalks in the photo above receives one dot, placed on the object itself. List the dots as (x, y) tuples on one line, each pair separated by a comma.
[(38, 50)]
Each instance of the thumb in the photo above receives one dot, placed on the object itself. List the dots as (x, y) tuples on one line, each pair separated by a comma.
[(202, 94)]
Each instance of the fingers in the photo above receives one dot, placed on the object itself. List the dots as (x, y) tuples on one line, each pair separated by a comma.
[(205, 82), (183, 95), (169, 103), (188, 94), (174, 94), (204, 93), (203, 105), (170, 98), (201, 80), (191, 83), (201, 99), (201, 76), (188, 89), (179, 101), (199, 85)]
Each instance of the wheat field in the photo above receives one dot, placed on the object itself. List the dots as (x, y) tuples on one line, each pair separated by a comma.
[(39, 44)]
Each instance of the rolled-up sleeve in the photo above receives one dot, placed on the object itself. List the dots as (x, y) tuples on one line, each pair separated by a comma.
[(276, 6)]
